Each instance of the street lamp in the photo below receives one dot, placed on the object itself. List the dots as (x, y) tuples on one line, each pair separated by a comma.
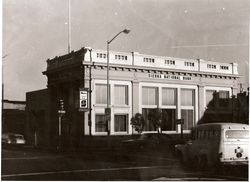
[(108, 111)]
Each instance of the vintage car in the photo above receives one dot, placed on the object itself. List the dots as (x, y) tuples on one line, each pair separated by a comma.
[(12, 138), (215, 144)]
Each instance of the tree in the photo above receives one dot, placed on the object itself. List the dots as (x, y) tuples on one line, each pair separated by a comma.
[(138, 122), (155, 116)]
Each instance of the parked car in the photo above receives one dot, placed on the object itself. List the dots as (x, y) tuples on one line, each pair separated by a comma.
[(12, 138), (215, 144), (149, 140)]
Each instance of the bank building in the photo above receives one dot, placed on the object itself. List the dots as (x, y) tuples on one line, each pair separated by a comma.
[(181, 88)]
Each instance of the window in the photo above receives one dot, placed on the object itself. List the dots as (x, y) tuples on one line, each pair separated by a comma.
[(187, 107), (149, 96), (224, 67), (223, 94), (188, 116), (187, 97), (169, 96), (149, 60), (237, 134), (101, 94), (168, 119), (121, 95), (121, 57), (211, 66), (223, 98), (149, 126), (189, 63), (101, 55), (100, 123), (172, 62), (121, 123)]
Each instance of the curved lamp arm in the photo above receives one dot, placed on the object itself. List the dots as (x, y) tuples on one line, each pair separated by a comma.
[(126, 31)]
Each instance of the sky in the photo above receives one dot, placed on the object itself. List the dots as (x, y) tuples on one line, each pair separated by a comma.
[(36, 30)]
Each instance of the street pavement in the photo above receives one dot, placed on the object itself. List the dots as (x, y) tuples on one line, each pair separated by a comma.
[(104, 165)]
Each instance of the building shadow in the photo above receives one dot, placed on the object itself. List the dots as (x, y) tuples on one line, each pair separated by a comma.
[(234, 109)]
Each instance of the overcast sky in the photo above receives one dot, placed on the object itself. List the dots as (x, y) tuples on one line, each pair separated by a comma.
[(35, 30)]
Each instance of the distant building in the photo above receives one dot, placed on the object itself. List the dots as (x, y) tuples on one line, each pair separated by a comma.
[(181, 87), (37, 126), (13, 116)]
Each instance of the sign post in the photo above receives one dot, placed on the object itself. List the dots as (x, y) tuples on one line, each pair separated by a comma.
[(83, 99)]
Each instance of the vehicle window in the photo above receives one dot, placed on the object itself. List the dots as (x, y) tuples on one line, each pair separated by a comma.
[(237, 134)]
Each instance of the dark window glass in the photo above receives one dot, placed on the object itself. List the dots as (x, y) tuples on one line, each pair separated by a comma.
[(121, 123), (188, 116), (100, 123)]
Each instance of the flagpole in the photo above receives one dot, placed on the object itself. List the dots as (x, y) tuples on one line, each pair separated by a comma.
[(69, 27)]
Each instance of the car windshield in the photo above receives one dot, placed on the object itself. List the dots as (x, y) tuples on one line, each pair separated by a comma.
[(237, 134)]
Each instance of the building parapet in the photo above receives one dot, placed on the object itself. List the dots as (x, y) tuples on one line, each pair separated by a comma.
[(142, 60)]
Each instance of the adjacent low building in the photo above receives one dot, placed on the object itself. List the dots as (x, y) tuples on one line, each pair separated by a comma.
[(181, 88), (13, 116)]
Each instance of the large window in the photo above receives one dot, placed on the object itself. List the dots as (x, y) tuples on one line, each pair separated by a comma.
[(121, 95), (169, 96), (187, 107), (168, 119), (149, 95), (223, 98), (188, 116), (100, 123), (149, 126), (187, 97), (101, 94), (121, 123)]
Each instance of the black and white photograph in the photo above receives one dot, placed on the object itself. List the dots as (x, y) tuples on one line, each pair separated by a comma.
[(125, 90)]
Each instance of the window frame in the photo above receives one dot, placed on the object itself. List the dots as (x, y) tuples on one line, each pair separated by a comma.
[(127, 123), (126, 94)]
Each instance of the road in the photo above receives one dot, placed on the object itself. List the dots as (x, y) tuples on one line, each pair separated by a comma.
[(104, 165)]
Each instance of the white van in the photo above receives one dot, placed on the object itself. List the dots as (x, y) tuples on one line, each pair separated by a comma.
[(216, 143)]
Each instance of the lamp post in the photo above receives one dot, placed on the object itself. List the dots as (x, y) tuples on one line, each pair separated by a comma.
[(107, 111)]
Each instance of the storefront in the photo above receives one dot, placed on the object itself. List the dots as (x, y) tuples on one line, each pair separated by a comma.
[(180, 88)]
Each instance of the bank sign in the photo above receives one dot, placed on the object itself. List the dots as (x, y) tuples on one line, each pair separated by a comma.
[(169, 77), (83, 99)]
